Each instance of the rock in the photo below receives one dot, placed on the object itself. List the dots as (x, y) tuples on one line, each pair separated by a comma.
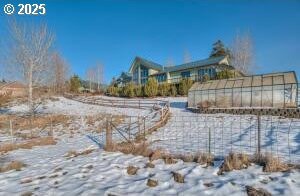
[(26, 180), (208, 184), (131, 170), (64, 173), (152, 183), (58, 169), (257, 192), (149, 165), (27, 193), (178, 177)]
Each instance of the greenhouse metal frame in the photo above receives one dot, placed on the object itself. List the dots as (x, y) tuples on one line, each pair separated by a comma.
[(276, 90)]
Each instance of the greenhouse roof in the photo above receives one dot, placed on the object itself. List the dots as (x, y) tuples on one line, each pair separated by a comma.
[(271, 79)]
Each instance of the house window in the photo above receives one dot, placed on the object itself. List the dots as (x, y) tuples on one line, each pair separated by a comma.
[(161, 77), (185, 74), (135, 75)]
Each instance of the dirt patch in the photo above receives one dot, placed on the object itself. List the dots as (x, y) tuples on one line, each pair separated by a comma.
[(14, 165), (43, 141), (73, 153)]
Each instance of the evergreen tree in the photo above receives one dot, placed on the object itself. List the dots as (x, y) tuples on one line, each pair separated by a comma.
[(75, 83), (219, 50), (151, 87)]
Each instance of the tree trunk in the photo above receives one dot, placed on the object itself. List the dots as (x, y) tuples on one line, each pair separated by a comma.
[(30, 101)]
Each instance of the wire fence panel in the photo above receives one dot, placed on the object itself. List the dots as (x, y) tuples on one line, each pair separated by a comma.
[(220, 135)]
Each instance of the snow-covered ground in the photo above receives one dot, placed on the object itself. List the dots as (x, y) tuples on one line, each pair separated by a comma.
[(71, 107), (188, 132), (49, 172)]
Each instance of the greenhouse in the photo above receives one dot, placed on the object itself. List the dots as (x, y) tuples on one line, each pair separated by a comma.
[(276, 90)]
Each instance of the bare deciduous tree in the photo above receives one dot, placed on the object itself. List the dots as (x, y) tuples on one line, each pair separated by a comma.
[(30, 55), (99, 75), (90, 76), (61, 72), (186, 57), (242, 53)]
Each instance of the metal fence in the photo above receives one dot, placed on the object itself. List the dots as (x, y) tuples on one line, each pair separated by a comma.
[(220, 135), (15, 128)]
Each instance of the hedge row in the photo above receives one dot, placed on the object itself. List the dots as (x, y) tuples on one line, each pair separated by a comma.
[(151, 89)]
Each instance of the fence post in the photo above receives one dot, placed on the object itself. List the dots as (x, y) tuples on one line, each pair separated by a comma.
[(51, 127), (139, 125), (209, 139), (129, 127), (109, 144), (144, 127), (258, 135), (11, 131), (162, 113)]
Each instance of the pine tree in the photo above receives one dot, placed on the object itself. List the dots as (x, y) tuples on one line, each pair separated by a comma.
[(75, 84), (219, 50)]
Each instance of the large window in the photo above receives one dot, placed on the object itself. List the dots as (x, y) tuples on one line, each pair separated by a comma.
[(144, 75), (185, 74)]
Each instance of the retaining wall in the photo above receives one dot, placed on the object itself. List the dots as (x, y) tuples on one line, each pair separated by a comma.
[(284, 112)]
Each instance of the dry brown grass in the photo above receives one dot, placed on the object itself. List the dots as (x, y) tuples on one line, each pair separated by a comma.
[(28, 123), (133, 148), (43, 141), (234, 162), (14, 165), (131, 170), (256, 192), (201, 158), (152, 183), (5, 98), (73, 153), (271, 163), (178, 177)]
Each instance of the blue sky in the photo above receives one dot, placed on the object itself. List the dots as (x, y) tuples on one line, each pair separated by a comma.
[(114, 32)]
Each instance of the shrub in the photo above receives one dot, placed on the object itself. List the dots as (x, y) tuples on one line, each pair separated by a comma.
[(225, 74), (129, 90), (113, 91), (151, 87), (138, 90), (206, 78), (4, 98), (173, 90), (14, 165), (234, 162), (163, 89), (184, 85)]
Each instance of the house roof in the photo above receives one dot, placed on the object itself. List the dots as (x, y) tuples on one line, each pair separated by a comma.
[(200, 63), (209, 61), (270, 79), (145, 62)]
